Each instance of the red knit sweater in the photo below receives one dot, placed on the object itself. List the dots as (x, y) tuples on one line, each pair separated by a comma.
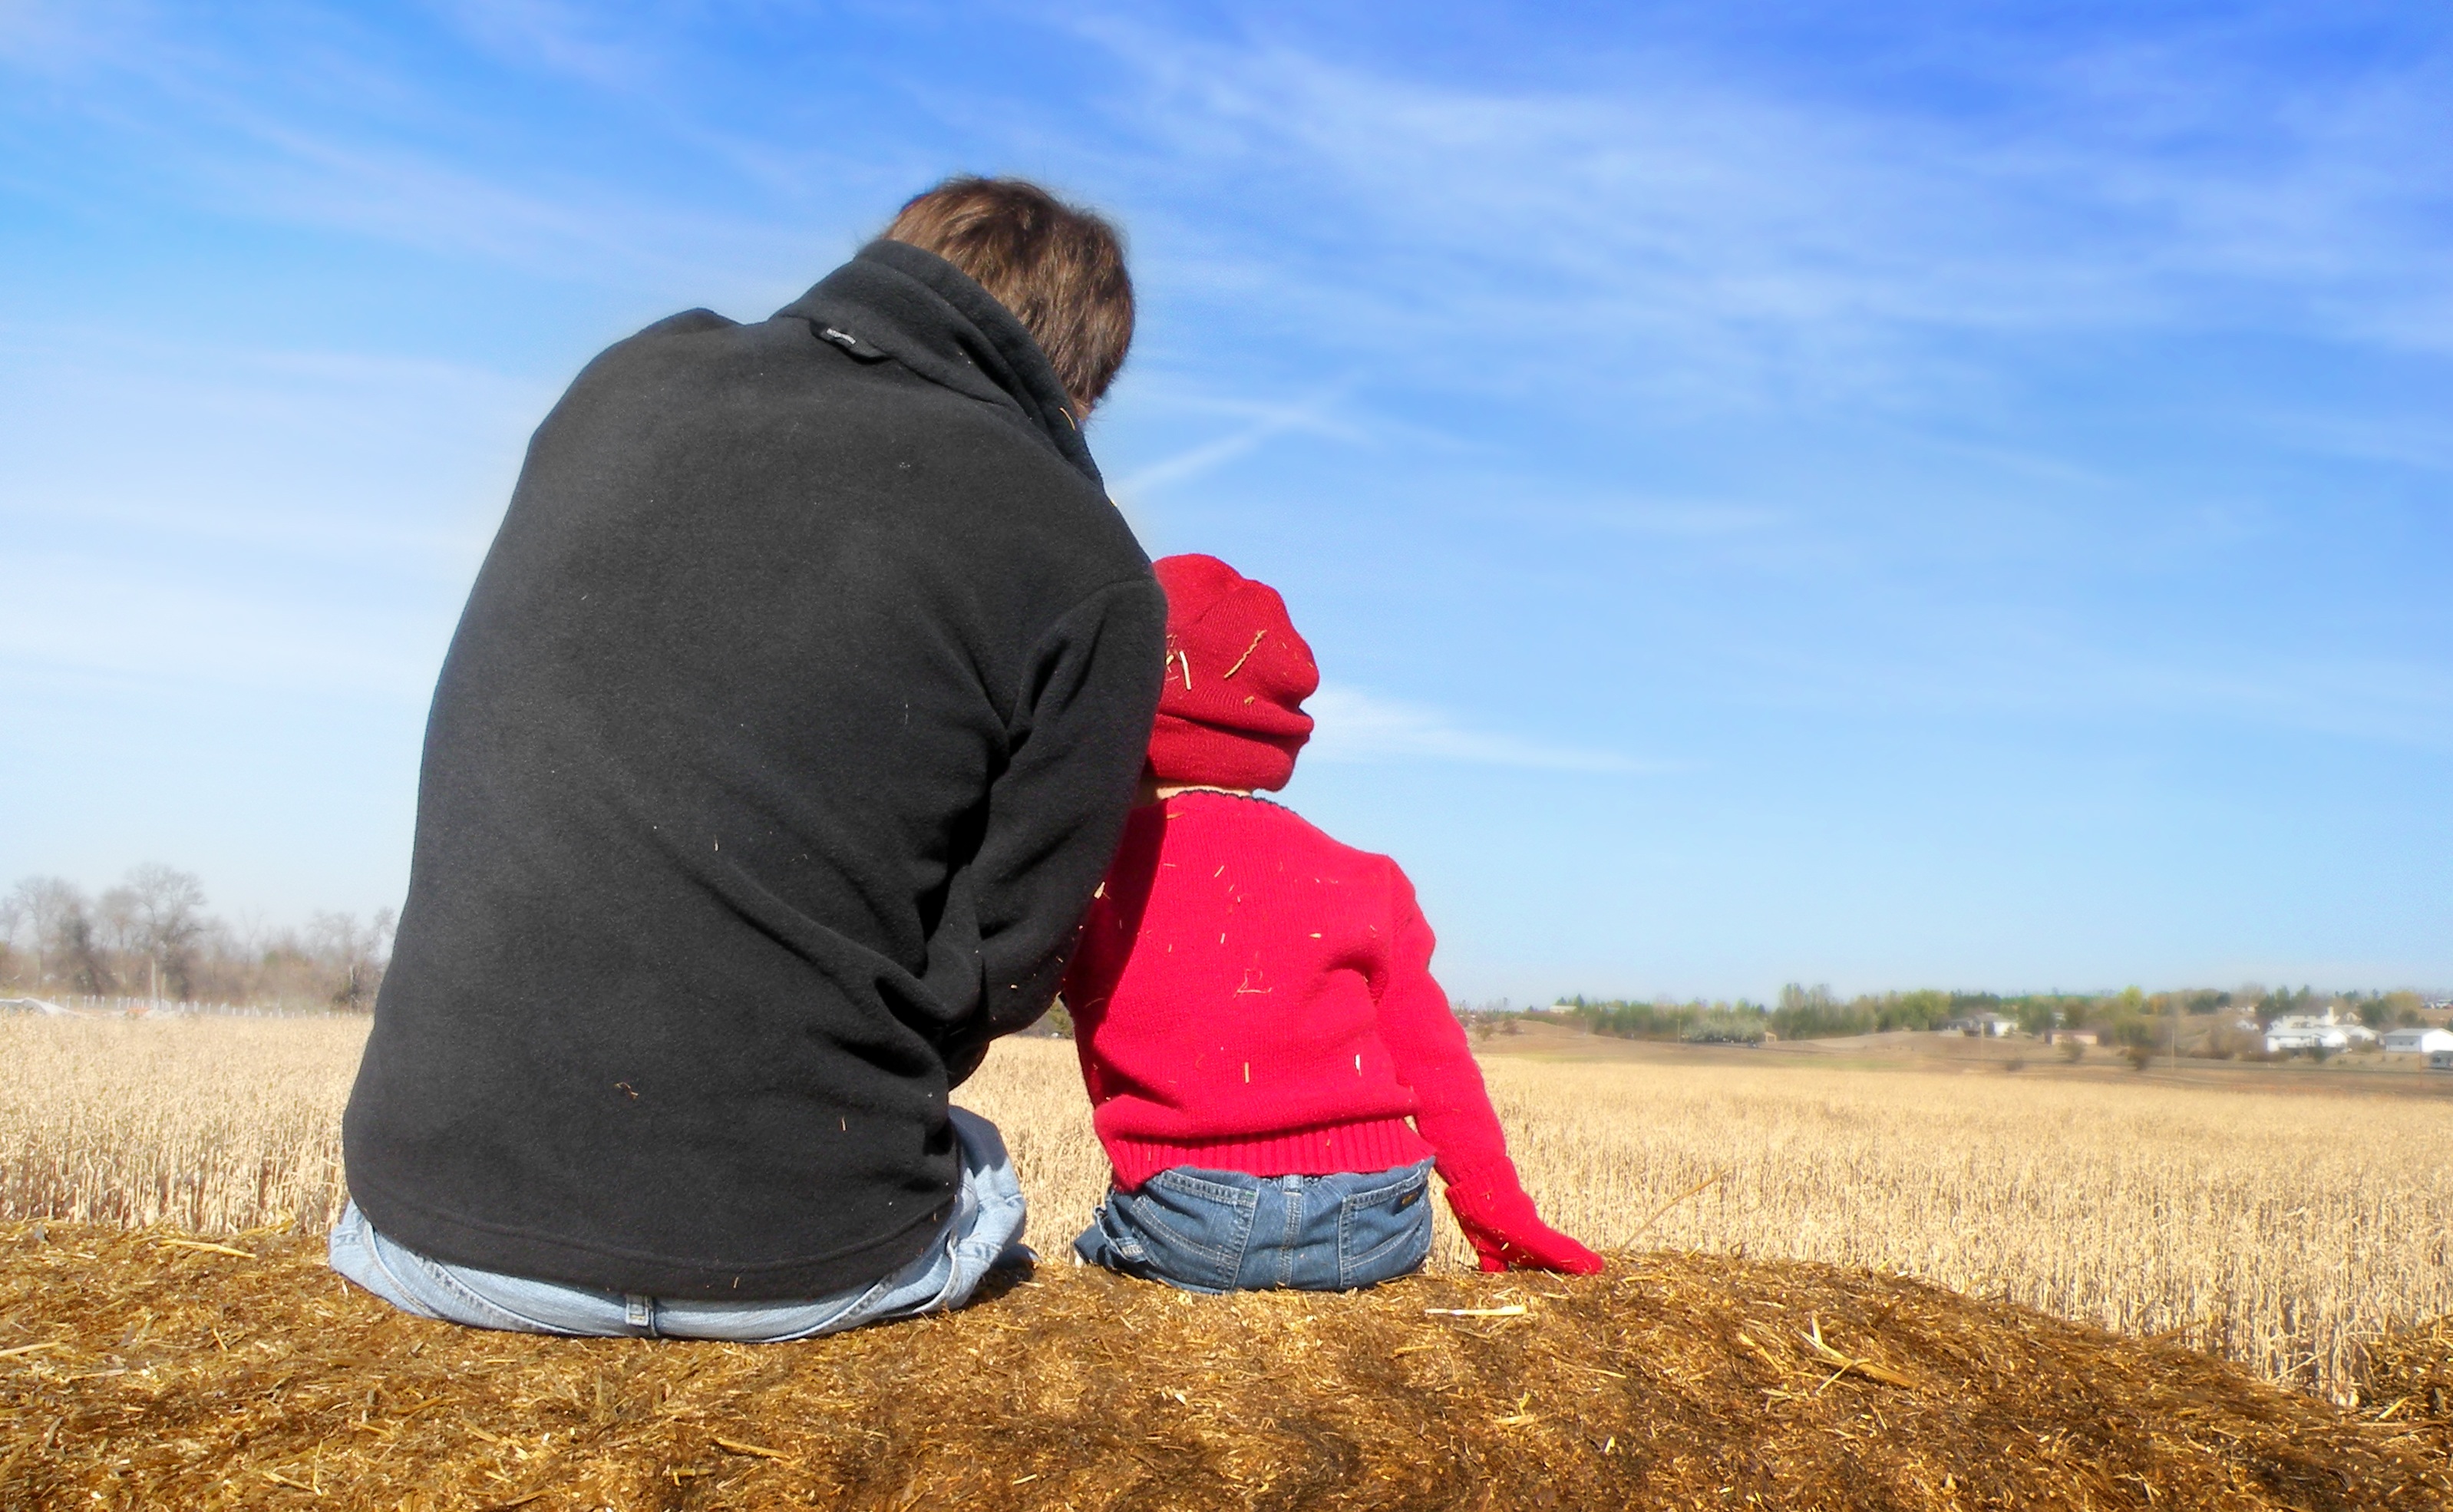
[(1249, 995)]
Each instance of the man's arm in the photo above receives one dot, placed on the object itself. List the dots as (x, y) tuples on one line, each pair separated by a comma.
[(1080, 733)]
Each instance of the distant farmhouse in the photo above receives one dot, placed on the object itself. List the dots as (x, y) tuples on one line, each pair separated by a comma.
[(2419, 1040), (2315, 1031), (2282, 1038), (1981, 1025)]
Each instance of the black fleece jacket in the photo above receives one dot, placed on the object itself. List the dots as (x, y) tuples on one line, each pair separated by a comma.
[(790, 724)]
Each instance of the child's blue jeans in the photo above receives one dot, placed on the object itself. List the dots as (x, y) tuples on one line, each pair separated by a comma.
[(1216, 1231)]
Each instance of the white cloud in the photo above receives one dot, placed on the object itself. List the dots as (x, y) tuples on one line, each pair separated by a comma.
[(1703, 240), (1261, 422), (1353, 726), (87, 621), (309, 459), (2057, 671), (54, 34), (554, 37), (1677, 520), (315, 120), (1662, 227)]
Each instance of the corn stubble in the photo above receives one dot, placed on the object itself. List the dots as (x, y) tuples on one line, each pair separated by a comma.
[(213, 1126), (2281, 1232)]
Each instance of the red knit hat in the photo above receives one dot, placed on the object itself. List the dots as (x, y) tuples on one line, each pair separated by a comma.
[(1237, 673)]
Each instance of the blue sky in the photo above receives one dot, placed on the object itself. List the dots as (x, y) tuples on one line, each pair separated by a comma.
[(1896, 494)]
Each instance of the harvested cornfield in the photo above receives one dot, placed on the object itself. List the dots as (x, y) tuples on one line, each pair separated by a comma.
[(2241, 1222), (209, 1124), (2272, 1229), (150, 1369)]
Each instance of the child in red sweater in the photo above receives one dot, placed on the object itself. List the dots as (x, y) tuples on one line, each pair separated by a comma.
[(1254, 1008)]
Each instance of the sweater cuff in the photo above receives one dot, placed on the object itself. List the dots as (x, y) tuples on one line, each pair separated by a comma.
[(1375, 1144), (1496, 1178)]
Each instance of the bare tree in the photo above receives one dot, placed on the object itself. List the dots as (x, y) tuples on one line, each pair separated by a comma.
[(45, 903), (12, 914), (88, 972), (352, 952), (113, 919), (166, 907)]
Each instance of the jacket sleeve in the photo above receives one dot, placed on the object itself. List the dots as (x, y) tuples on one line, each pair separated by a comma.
[(1077, 740)]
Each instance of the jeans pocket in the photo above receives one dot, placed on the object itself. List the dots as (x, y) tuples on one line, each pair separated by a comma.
[(1385, 1230), (1191, 1232)]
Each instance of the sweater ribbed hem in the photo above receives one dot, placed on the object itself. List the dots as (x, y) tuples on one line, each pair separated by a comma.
[(1375, 1144)]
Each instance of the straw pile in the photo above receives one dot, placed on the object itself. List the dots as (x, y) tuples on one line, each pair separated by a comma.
[(2409, 1381), (147, 1369)]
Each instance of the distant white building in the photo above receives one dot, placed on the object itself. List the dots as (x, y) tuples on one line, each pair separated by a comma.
[(2320, 1030), (2282, 1041), (2323, 1020), (2417, 1041), (1981, 1025)]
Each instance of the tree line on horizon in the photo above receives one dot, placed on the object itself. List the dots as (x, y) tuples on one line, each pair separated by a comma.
[(2131, 1018), (149, 937)]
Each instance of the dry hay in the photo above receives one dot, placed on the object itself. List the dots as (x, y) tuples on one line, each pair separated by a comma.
[(2409, 1381), (150, 1369)]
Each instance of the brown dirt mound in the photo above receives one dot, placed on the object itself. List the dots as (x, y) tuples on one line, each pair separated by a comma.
[(150, 1369)]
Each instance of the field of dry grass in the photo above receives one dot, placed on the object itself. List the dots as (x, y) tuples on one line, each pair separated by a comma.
[(210, 1125), (2279, 1232)]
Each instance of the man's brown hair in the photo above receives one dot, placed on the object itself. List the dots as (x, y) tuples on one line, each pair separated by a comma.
[(1058, 268)]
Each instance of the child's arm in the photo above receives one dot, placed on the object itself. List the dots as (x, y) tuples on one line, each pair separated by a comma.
[(1452, 1110)]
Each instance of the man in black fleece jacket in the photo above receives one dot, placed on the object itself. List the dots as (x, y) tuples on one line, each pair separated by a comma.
[(791, 721)]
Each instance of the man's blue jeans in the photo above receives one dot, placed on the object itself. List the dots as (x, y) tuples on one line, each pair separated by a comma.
[(1216, 1231), (984, 1235)]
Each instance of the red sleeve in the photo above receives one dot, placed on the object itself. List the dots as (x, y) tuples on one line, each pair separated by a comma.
[(1451, 1108)]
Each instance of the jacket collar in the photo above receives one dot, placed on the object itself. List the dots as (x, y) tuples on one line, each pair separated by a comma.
[(895, 300)]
